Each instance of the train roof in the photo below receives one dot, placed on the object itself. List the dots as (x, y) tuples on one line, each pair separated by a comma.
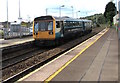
[(61, 18), (71, 19)]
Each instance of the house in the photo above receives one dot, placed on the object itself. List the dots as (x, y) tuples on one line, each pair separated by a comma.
[(116, 20)]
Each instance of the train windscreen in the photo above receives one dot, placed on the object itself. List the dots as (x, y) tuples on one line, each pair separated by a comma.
[(43, 26)]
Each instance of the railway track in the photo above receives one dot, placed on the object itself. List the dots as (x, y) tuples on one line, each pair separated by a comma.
[(30, 64), (20, 56)]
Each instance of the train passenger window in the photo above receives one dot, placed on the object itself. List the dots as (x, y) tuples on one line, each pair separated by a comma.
[(57, 24), (77, 23), (71, 24), (65, 24), (80, 24)]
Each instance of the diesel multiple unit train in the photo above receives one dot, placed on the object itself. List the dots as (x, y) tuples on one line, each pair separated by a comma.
[(51, 30)]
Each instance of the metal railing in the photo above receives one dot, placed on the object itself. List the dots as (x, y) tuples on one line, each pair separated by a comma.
[(16, 31)]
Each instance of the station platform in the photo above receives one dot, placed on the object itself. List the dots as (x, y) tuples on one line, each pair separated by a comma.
[(16, 41), (96, 59)]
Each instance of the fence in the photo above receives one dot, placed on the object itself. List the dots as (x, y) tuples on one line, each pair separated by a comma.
[(16, 31)]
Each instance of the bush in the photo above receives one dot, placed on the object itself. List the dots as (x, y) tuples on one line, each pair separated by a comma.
[(1, 33)]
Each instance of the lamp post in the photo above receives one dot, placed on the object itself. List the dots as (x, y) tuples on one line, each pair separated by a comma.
[(7, 13), (60, 10), (72, 12), (77, 14), (46, 11), (19, 18)]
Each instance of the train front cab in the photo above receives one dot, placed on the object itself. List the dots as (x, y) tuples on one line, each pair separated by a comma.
[(44, 28)]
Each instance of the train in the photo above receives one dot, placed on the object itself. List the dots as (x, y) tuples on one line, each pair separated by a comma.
[(50, 30)]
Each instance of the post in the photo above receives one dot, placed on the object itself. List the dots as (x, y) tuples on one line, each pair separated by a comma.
[(19, 9), (72, 12), (46, 11), (7, 13), (20, 20), (60, 10), (77, 14)]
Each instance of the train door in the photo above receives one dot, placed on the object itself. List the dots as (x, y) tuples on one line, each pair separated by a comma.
[(62, 28), (59, 29), (83, 26)]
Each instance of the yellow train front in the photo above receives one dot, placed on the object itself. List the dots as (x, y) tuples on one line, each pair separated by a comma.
[(45, 31), (49, 30)]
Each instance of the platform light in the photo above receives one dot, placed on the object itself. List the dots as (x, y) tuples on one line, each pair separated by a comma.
[(46, 11), (72, 11), (60, 10), (77, 14)]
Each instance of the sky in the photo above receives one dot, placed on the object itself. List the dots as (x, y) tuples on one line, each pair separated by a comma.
[(34, 8)]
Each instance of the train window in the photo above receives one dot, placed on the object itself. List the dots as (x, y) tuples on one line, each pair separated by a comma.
[(71, 24), (43, 26), (36, 27), (65, 24), (57, 24), (50, 25), (68, 24), (80, 24), (74, 24)]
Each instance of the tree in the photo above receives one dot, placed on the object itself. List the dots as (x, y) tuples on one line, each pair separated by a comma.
[(110, 12), (101, 19), (97, 18)]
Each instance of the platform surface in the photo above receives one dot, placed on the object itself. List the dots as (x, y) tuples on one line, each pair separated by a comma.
[(96, 59), (98, 63), (10, 42)]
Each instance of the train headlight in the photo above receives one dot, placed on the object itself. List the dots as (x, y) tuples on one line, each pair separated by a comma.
[(35, 33), (50, 33)]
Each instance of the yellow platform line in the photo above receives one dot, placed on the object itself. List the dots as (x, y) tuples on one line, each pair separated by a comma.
[(66, 64)]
